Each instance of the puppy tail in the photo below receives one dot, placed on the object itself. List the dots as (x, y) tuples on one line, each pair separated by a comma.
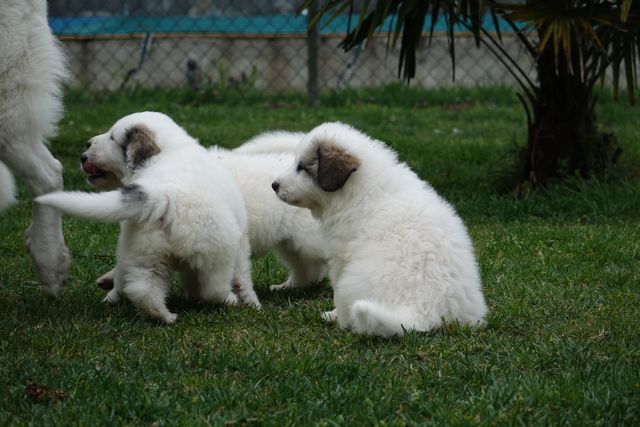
[(372, 318), (129, 203), (7, 188)]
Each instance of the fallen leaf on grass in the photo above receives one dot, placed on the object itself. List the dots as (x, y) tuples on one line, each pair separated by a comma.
[(40, 393), (458, 106)]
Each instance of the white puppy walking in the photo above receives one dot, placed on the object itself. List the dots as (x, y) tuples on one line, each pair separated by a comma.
[(32, 69), (291, 232), (178, 208), (400, 257)]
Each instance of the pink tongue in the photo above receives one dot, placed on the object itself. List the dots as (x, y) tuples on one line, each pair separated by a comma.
[(90, 168)]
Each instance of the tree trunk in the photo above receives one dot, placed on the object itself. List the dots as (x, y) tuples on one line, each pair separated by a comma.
[(562, 135)]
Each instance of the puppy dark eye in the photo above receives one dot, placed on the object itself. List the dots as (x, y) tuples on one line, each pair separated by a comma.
[(112, 138), (300, 167)]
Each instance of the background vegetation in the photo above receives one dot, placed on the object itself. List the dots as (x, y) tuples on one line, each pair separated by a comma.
[(561, 270), (571, 42)]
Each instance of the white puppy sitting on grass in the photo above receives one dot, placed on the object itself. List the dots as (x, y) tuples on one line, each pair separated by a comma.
[(178, 208), (400, 257)]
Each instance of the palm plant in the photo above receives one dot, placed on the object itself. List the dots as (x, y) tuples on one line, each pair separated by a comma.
[(572, 42)]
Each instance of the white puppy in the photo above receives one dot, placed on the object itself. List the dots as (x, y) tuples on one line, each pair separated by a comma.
[(400, 257), (291, 232), (32, 68), (178, 208)]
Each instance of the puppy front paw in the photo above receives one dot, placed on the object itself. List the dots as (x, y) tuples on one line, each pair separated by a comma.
[(231, 299), (169, 318), (113, 297), (281, 287), (330, 316)]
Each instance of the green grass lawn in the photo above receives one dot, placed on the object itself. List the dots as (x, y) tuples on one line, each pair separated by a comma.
[(561, 273)]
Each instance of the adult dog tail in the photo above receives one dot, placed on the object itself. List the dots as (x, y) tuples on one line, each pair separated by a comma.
[(7, 188), (372, 318), (129, 203)]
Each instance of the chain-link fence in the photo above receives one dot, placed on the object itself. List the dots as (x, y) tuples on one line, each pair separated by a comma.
[(113, 44)]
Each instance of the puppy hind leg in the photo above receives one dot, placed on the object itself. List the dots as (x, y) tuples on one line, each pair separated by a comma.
[(147, 290), (242, 281), (302, 273), (371, 318), (113, 281), (215, 283), (42, 173), (114, 296)]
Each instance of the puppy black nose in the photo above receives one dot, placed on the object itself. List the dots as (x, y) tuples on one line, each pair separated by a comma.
[(83, 158), (275, 185)]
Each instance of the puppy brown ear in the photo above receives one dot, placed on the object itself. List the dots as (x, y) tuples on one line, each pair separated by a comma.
[(335, 166), (139, 145)]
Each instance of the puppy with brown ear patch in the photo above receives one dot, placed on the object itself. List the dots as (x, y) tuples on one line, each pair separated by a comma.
[(290, 232), (400, 257), (178, 208)]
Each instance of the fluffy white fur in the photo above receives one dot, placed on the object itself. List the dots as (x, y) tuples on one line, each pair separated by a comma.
[(291, 232), (271, 142), (32, 68), (400, 257), (178, 208)]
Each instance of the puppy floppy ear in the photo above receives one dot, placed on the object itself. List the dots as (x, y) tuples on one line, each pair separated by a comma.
[(335, 166), (139, 145)]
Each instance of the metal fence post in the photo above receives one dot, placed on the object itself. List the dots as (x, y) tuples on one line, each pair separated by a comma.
[(313, 39)]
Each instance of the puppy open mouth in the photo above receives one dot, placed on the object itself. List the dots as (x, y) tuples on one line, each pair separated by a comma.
[(98, 177), (92, 170)]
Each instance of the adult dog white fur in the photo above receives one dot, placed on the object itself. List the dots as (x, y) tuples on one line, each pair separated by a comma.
[(291, 232), (400, 257), (32, 68), (178, 208)]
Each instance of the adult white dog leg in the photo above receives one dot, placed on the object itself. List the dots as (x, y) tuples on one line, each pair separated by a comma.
[(7, 188), (42, 174)]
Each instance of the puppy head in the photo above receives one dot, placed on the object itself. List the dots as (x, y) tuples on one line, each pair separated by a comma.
[(323, 164), (115, 155)]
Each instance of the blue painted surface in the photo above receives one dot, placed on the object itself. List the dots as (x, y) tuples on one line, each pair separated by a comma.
[(271, 24)]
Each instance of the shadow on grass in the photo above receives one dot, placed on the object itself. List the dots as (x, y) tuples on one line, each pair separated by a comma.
[(279, 298)]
